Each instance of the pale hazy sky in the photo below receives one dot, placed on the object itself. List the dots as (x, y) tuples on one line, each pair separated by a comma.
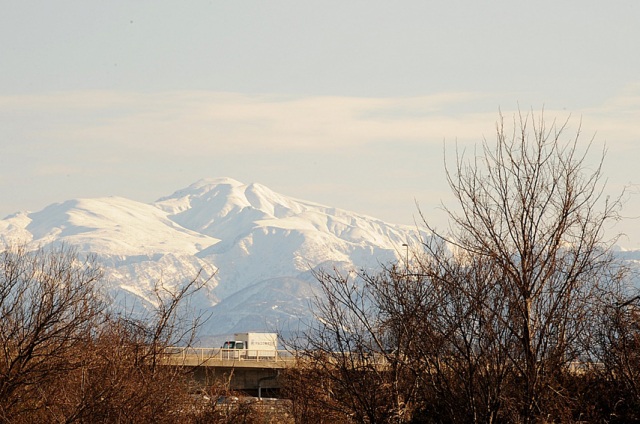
[(346, 103)]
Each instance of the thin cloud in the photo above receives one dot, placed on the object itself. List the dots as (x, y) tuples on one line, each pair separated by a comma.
[(190, 122), (185, 121)]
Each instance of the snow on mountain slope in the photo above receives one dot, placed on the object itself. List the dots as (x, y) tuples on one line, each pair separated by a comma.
[(221, 207), (137, 244), (262, 245), (265, 235), (109, 226), (276, 303)]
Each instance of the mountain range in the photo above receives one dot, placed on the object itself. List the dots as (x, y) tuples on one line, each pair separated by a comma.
[(260, 248)]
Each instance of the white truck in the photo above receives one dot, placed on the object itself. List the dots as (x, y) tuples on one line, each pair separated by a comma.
[(251, 346)]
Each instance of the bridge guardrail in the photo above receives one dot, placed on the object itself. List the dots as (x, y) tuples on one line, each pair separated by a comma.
[(205, 355)]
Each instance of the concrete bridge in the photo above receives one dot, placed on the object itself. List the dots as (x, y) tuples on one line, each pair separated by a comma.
[(256, 375)]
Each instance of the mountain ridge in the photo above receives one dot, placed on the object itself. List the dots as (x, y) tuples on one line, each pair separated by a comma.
[(244, 236)]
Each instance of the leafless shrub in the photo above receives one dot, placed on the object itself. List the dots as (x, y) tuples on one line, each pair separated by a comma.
[(67, 357), (49, 309)]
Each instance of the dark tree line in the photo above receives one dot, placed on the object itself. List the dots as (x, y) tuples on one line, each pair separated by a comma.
[(519, 312)]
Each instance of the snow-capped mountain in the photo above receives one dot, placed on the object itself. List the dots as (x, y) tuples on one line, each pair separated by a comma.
[(259, 246)]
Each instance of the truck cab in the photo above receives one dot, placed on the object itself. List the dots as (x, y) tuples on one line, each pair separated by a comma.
[(233, 345), (234, 350)]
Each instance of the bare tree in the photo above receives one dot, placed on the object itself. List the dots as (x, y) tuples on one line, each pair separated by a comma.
[(488, 320), (49, 308), (532, 209), (615, 344), (68, 357), (350, 359), (125, 377)]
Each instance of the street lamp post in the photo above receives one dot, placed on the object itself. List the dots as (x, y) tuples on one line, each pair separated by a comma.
[(406, 257)]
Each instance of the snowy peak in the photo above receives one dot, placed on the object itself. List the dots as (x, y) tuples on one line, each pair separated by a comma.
[(227, 209), (216, 198), (205, 189)]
